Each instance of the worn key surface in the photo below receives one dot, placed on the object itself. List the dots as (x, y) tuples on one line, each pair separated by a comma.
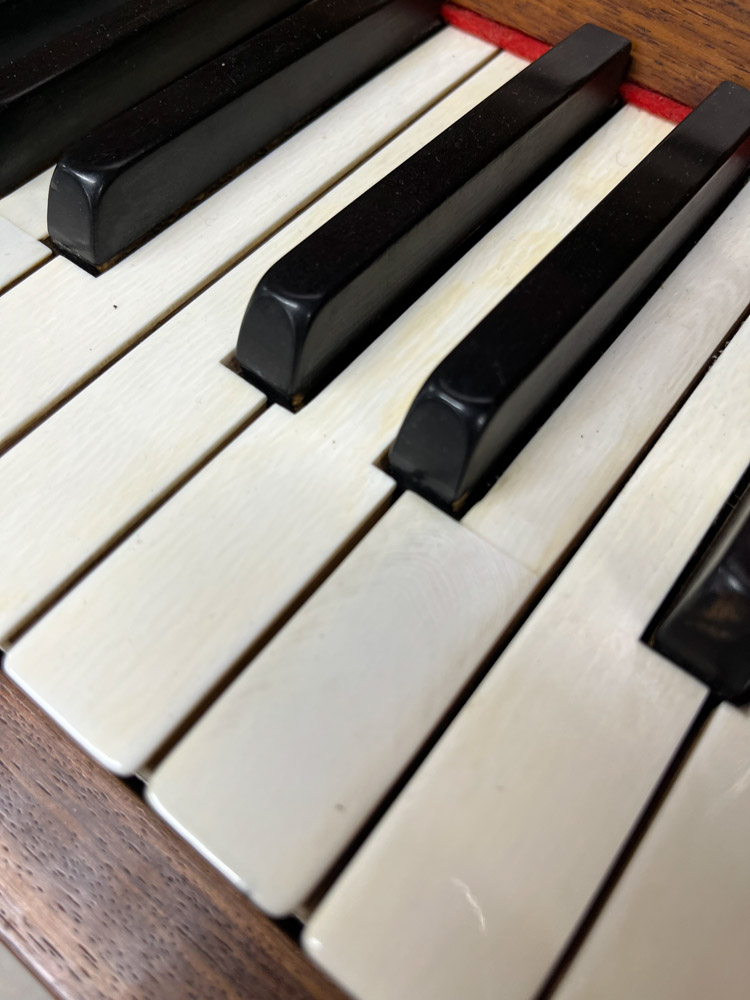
[(102, 901), (134, 172)]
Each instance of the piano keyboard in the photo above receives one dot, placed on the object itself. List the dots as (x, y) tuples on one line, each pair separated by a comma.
[(425, 722)]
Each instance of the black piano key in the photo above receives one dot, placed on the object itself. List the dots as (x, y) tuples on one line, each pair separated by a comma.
[(708, 629), (112, 56), (136, 171), (26, 25), (338, 289), (482, 399)]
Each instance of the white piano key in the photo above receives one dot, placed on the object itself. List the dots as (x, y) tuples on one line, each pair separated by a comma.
[(19, 253), (88, 473), (163, 406), (276, 780), (16, 982), (675, 927), (178, 644), (64, 325), (26, 207), (142, 597), (478, 875)]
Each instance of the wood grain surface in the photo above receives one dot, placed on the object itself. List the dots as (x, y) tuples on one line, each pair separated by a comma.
[(682, 50), (104, 903)]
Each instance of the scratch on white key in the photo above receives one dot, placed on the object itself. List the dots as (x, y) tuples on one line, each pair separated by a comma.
[(473, 902)]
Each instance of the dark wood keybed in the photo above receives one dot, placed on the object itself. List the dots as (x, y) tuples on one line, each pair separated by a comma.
[(101, 900)]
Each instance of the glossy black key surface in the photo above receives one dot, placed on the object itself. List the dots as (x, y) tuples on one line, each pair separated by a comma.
[(482, 399), (134, 172), (61, 79), (343, 285), (707, 631)]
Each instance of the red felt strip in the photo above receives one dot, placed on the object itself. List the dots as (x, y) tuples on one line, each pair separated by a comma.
[(657, 104), (531, 48), (498, 34)]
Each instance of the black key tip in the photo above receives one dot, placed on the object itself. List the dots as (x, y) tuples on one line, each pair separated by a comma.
[(72, 208), (707, 631), (275, 346), (436, 447)]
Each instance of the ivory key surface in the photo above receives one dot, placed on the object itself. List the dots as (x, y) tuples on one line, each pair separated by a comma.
[(26, 207), (64, 325), (172, 657), (277, 779), (675, 927), (479, 874), (19, 253), (150, 645)]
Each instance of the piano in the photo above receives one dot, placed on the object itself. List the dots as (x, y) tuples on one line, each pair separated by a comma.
[(375, 506)]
